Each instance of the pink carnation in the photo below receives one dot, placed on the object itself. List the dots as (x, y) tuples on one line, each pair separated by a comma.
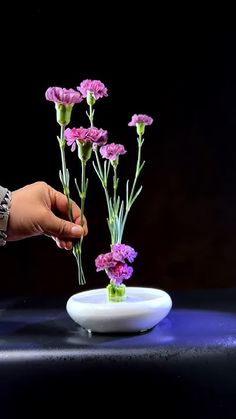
[(74, 134), (63, 96), (114, 262), (121, 252), (105, 261), (97, 136), (96, 87), (92, 135), (112, 151), (140, 119), (120, 272)]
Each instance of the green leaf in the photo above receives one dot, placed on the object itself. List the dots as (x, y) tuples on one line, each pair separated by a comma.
[(135, 196), (86, 185), (96, 170), (67, 177), (127, 192), (77, 187), (143, 163)]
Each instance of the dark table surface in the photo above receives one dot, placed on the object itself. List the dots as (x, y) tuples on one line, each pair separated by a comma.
[(185, 365)]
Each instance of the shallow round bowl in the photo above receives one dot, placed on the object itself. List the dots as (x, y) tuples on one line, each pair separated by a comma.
[(141, 310)]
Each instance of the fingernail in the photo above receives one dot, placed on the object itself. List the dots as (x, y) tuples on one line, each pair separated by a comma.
[(76, 230)]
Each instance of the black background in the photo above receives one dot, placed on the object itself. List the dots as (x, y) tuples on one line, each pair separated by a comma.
[(184, 223)]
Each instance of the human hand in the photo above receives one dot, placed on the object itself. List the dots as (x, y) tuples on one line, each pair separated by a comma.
[(39, 209)]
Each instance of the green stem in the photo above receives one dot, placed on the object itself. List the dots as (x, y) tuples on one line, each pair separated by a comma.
[(91, 115), (104, 182), (83, 191), (62, 148), (66, 186), (77, 250), (109, 208), (66, 190), (82, 205), (114, 186), (116, 293), (130, 198), (137, 169)]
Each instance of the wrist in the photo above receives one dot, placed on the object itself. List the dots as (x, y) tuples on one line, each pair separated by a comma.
[(5, 203)]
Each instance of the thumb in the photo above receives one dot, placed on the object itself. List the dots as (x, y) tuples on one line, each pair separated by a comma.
[(62, 229)]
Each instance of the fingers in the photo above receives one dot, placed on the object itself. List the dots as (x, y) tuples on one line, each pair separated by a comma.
[(63, 244), (85, 226), (62, 229), (60, 204)]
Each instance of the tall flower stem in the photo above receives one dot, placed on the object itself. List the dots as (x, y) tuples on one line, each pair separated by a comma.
[(115, 185), (65, 180), (137, 171), (83, 197), (130, 198), (83, 191), (117, 211), (91, 114), (83, 153), (103, 176), (65, 173)]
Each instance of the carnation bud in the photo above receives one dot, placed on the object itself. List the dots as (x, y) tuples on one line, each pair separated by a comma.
[(63, 113), (140, 126), (90, 98), (84, 150)]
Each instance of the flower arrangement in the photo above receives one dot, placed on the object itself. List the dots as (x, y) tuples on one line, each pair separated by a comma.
[(91, 143)]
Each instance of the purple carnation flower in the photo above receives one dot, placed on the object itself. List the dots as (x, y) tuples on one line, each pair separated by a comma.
[(63, 96), (140, 119), (105, 261), (97, 136), (74, 134), (112, 151), (92, 135), (96, 87), (120, 272), (121, 252)]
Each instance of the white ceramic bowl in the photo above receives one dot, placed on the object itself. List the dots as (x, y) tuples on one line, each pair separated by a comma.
[(142, 310)]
